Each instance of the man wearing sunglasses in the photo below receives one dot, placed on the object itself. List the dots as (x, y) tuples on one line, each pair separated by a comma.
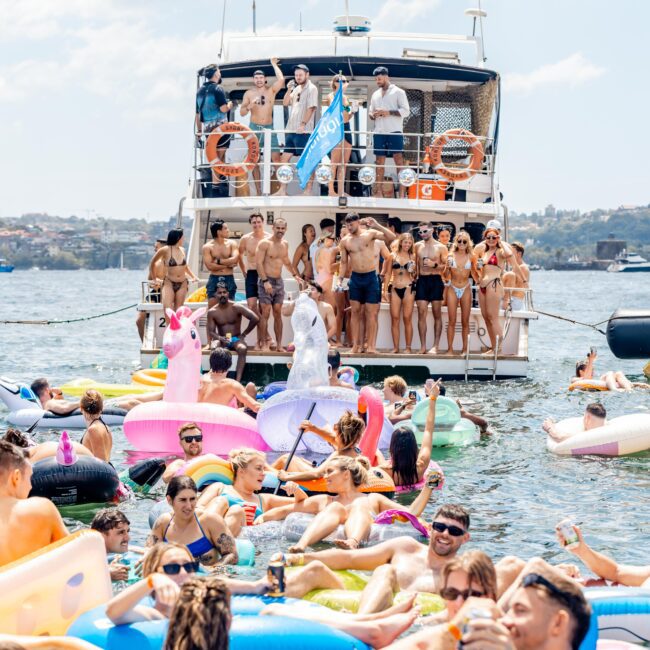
[(190, 438), (431, 259), (259, 101), (358, 253), (402, 563)]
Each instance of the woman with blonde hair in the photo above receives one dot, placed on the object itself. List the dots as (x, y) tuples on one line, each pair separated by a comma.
[(461, 266), (241, 503), (97, 437), (400, 278), (340, 155)]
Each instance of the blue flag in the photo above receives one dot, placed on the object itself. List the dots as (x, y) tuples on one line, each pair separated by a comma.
[(327, 134)]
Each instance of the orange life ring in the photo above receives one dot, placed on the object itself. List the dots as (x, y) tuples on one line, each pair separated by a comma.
[(232, 169), (460, 173)]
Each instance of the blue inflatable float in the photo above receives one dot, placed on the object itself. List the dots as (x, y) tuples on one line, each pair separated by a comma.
[(249, 631)]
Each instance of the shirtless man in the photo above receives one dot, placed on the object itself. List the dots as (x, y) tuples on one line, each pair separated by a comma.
[(358, 251), (595, 416), (431, 259), (259, 101), (272, 254), (315, 292), (26, 524), (220, 256), (190, 438), (247, 251), (216, 388), (223, 326), (399, 564), (334, 363), (516, 279), (52, 399)]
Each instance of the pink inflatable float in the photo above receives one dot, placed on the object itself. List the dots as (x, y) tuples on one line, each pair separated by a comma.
[(153, 426)]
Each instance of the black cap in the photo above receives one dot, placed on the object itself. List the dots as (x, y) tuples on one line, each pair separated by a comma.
[(380, 69), (209, 70), (301, 66), (259, 72)]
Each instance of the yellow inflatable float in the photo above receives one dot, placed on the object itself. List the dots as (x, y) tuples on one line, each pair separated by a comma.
[(77, 387), (200, 295), (44, 592), (150, 377)]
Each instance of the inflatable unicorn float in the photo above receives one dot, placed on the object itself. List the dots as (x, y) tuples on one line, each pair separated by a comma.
[(153, 426), (279, 419)]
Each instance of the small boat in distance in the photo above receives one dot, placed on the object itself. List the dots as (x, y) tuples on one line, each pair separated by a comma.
[(629, 263), (5, 267)]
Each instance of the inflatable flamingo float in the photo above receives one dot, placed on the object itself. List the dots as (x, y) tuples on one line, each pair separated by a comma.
[(280, 416), (153, 426)]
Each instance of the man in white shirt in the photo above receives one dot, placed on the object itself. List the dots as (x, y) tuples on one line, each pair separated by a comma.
[(388, 108), (302, 98)]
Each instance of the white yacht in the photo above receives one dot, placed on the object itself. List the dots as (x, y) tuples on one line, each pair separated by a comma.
[(448, 87), (629, 263)]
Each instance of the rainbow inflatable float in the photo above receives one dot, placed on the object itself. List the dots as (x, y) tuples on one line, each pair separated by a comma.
[(153, 426)]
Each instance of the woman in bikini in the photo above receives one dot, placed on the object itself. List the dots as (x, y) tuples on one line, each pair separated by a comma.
[(340, 155), (461, 264), (350, 507), (241, 504), (97, 437), (491, 265), (401, 287), (302, 253), (204, 533), (175, 283)]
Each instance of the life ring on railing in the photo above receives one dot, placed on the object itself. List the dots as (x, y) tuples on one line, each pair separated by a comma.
[(232, 169), (461, 173)]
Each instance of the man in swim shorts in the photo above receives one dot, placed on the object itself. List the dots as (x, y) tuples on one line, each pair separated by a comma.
[(27, 524), (220, 257), (217, 388), (358, 253), (516, 279), (259, 101), (115, 529), (190, 439), (247, 250), (595, 416), (272, 254), (400, 563), (224, 328), (431, 259), (51, 399)]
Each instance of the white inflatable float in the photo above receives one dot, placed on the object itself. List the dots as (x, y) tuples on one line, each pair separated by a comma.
[(627, 434), (25, 410)]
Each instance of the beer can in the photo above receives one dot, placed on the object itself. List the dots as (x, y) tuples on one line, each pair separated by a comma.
[(570, 537), (275, 574)]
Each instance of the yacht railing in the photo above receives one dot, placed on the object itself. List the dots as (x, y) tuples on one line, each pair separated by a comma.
[(424, 182)]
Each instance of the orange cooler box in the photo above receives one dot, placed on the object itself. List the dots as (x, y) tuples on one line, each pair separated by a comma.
[(428, 189)]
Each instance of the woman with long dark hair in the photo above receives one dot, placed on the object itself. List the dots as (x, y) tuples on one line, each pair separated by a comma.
[(400, 278), (408, 465), (302, 253), (177, 273)]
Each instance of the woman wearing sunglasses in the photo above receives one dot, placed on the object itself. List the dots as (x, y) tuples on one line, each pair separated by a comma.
[(401, 287), (340, 155), (204, 533), (241, 503), (491, 266), (461, 265)]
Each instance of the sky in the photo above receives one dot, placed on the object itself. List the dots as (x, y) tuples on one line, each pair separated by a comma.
[(97, 96)]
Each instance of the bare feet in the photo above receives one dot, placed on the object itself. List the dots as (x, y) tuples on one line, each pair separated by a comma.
[(349, 544), (296, 548), (423, 350), (407, 350), (370, 350), (463, 352), (487, 353), (395, 351), (355, 349), (386, 630)]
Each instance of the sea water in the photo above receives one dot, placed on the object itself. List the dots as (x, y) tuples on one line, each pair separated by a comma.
[(514, 488)]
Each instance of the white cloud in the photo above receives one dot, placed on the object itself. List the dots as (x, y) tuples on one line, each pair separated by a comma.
[(399, 13), (572, 71)]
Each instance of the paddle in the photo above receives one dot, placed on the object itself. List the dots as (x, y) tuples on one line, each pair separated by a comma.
[(295, 445)]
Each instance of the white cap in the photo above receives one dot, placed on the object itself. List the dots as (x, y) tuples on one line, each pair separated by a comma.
[(494, 223)]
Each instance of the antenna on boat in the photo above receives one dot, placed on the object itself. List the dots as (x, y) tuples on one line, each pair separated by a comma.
[(300, 21), (347, 16), (254, 18), (480, 14), (223, 27)]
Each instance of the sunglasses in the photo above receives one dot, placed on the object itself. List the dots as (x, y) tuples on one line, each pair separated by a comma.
[(174, 568), (451, 593), (536, 580), (491, 237), (454, 531), (198, 438), (462, 241)]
